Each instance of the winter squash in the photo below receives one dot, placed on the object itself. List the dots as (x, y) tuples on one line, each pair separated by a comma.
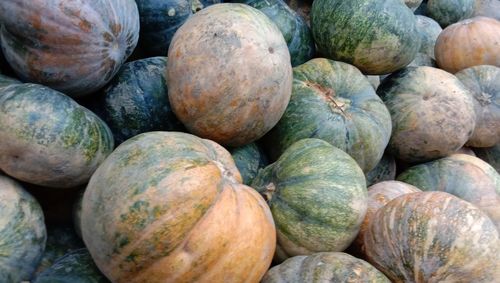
[(75, 47), (429, 30), (333, 101), (384, 171), (249, 159), (433, 237), (171, 206), (422, 59), (487, 8), (412, 4), (468, 43), (447, 12), (432, 113), (378, 37), (491, 155), (317, 195)]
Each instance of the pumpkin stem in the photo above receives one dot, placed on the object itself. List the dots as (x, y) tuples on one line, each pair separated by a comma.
[(328, 94), (268, 193)]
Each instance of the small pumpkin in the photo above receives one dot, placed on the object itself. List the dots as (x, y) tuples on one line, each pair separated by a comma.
[(429, 30), (384, 171), (491, 155), (249, 159), (447, 12)]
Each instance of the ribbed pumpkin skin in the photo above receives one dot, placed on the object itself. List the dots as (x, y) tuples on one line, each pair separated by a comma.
[(429, 30), (74, 46), (317, 195), (334, 102), (464, 176), (249, 159), (324, 267), (22, 232), (484, 82), (447, 12), (433, 237), (378, 37), (468, 43), (491, 155), (47, 138), (136, 100), (169, 207), (432, 113), (76, 266), (384, 171), (236, 90)]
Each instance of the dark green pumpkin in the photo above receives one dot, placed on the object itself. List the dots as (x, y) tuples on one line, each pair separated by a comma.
[(490, 154), (378, 37), (447, 12), (335, 102), (249, 159), (317, 195), (384, 171)]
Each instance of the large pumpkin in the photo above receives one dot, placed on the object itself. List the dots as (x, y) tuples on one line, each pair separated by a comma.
[(433, 237), (229, 74), (378, 37), (317, 195), (334, 102), (170, 207), (74, 46), (447, 12)]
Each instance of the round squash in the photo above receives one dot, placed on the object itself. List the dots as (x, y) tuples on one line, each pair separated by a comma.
[(433, 237), (236, 89), (378, 37), (466, 150), (136, 100), (47, 138), (429, 30), (22, 232), (464, 176), (302, 8), (75, 47), (468, 43), (323, 268), (249, 159), (432, 113), (447, 12), (484, 82), (317, 195), (169, 206), (412, 4), (491, 155), (333, 101), (384, 171), (422, 59), (487, 8)]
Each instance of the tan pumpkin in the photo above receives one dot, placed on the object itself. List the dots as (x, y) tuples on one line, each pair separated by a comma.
[(468, 43)]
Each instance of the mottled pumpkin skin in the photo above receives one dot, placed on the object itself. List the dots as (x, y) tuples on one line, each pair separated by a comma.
[(22, 232), (447, 12), (74, 46), (302, 8), (170, 207), (334, 102), (468, 43), (211, 92), (484, 82), (384, 171), (429, 30), (378, 37), (76, 266), (464, 176), (432, 113), (317, 194), (487, 8), (136, 100), (491, 155), (433, 237), (324, 267), (47, 138), (249, 159)]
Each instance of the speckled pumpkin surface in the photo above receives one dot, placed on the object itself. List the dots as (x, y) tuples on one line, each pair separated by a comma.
[(464, 176), (323, 268), (447, 12), (249, 159), (74, 46), (47, 138), (333, 101), (236, 90), (317, 194), (433, 237), (384, 171), (432, 113), (491, 155), (170, 207), (429, 30), (22, 232)]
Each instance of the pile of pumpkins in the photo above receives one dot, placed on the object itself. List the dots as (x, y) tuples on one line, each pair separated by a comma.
[(259, 141)]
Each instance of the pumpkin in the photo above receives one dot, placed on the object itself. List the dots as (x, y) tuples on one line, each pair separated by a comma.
[(433, 237), (136, 100), (464, 176), (169, 206), (47, 138), (317, 195), (324, 267), (491, 155), (468, 43), (75, 266), (236, 90), (384, 171), (378, 37), (335, 102), (466, 150), (447, 12), (484, 82), (75, 47), (297, 34), (412, 4), (432, 113), (302, 8), (248, 159), (429, 30), (374, 81), (22, 232), (487, 8), (422, 59)]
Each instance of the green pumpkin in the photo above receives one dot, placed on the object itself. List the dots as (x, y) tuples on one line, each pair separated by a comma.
[(333, 101), (378, 37), (447, 12), (429, 30), (317, 195), (384, 171), (490, 154), (249, 159), (22, 232)]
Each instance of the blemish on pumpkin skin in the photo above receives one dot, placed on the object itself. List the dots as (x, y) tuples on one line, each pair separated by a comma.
[(85, 26)]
